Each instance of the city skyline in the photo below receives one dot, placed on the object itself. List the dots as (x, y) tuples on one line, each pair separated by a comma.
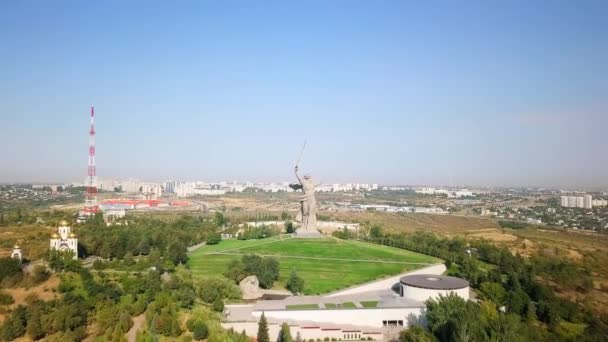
[(391, 93)]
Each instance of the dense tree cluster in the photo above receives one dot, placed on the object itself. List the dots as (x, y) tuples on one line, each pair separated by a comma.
[(519, 284), (265, 268), (143, 235), (451, 318), (261, 232)]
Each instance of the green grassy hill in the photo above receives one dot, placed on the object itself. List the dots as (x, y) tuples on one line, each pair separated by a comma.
[(325, 264)]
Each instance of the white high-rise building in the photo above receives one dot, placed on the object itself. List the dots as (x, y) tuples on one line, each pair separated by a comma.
[(580, 202), (587, 202), (564, 201)]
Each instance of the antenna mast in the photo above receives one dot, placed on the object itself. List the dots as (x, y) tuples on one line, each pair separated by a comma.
[(90, 204)]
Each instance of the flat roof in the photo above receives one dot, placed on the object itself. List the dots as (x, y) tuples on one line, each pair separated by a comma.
[(434, 281)]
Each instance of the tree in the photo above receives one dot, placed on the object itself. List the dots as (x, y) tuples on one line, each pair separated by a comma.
[(263, 329), (6, 299), (295, 284), (289, 227), (219, 219), (14, 326), (213, 238), (218, 304), (268, 272), (416, 333), (285, 333), (235, 270), (494, 292), (9, 267), (506, 328), (144, 246), (200, 331), (34, 323), (128, 259), (178, 253), (154, 257), (451, 317), (106, 250), (375, 232)]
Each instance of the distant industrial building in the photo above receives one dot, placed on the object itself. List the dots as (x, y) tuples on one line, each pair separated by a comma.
[(451, 193)]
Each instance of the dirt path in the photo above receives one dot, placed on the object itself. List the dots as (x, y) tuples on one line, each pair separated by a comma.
[(138, 321)]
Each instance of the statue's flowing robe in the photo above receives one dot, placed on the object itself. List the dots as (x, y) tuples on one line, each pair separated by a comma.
[(308, 206)]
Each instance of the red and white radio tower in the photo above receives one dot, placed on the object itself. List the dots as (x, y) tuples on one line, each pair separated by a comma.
[(90, 203)]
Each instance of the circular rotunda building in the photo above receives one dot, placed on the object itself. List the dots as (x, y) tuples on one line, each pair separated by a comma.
[(421, 287)]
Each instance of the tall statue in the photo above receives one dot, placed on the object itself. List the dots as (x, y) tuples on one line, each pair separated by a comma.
[(308, 203)]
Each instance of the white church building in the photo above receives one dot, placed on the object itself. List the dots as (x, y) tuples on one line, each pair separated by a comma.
[(64, 239)]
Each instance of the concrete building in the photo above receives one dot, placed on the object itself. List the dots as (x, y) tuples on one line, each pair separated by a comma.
[(599, 202), (587, 202), (377, 310), (64, 240)]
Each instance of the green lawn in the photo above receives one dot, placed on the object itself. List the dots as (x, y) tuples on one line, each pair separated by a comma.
[(370, 304), (302, 307), (325, 264), (349, 305)]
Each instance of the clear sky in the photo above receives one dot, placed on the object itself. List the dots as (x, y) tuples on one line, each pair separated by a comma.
[(407, 92)]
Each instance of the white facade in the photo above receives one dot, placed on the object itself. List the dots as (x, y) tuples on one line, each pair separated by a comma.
[(599, 202), (423, 294), (359, 317), (16, 253), (64, 240), (585, 201), (308, 332)]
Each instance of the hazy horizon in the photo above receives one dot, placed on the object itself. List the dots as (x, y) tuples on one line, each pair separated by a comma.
[(480, 94)]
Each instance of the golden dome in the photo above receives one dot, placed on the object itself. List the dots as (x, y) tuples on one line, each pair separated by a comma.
[(63, 223), (72, 235), (55, 236)]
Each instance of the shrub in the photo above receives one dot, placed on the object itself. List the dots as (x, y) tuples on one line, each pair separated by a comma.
[(40, 274), (295, 284), (218, 305), (200, 331), (214, 238), (6, 299)]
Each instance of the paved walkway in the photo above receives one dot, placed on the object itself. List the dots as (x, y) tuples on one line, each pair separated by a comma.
[(195, 247)]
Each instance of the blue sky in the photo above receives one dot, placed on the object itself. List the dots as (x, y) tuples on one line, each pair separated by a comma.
[(480, 93)]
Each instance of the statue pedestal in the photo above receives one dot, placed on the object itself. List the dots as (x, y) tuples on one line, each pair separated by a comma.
[(308, 234)]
